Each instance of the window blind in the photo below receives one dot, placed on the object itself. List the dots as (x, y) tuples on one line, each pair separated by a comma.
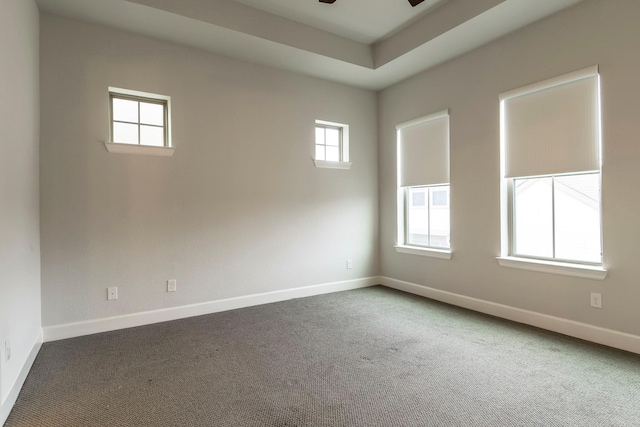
[(423, 150), (552, 127)]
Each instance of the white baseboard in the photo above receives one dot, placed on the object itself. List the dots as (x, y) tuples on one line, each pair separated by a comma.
[(12, 396), (70, 330), (608, 337)]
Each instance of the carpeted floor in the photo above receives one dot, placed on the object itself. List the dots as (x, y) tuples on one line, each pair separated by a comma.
[(370, 357)]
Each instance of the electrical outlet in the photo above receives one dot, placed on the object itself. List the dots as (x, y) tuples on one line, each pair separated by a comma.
[(112, 293), (172, 285), (7, 350), (596, 300), (349, 264)]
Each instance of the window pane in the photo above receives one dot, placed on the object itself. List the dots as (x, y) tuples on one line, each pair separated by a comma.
[(125, 133), (418, 197), (125, 110), (152, 135), (152, 114), (333, 137), (319, 135), (320, 152), (577, 217), (333, 154), (417, 219), (440, 197), (439, 227), (533, 217)]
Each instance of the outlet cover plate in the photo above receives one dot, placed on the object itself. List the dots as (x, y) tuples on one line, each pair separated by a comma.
[(172, 285), (596, 300)]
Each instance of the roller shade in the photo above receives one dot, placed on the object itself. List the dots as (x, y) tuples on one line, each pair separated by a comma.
[(553, 127), (423, 150)]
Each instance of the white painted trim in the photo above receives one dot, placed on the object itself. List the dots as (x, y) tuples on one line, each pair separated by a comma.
[(70, 330), (584, 73), (562, 268), (428, 252), (147, 150), (596, 334), (331, 165), (121, 91), (423, 119), (14, 390), (327, 123)]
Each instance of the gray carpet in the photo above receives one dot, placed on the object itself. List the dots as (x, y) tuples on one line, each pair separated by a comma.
[(370, 357)]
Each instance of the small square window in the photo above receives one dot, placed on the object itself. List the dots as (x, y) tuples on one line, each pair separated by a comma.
[(139, 118), (328, 143), (331, 145)]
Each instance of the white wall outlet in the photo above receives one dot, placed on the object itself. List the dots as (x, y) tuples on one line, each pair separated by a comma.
[(112, 293), (596, 300), (349, 264), (172, 285), (7, 350)]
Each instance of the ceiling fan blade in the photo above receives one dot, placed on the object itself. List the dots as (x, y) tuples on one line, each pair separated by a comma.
[(413, 3)]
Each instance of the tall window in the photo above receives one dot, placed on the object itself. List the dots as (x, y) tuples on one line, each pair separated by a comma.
[(423, 182), (551, 169), (139, 118)]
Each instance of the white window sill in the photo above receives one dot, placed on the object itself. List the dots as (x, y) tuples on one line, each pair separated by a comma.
[(428, 252), (332, 165), (146, 150), (563, 268)]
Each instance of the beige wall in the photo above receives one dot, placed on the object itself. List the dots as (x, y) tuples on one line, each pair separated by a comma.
[(19, 227), (593, 32), (239, 209)]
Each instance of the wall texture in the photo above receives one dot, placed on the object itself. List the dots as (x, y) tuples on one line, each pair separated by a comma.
[(593, 32), (239, 209), (19, 227)]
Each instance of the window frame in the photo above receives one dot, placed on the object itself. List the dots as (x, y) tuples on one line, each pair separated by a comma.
[(512, 222), (166, 150), (402, 245), (344, 162), (559, 267), (324, 144), (428, 205)]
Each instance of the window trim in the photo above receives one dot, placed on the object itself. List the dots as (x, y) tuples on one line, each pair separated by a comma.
[(344, 162), (126, 148), (121, 148), (424, 251), (584, 271)]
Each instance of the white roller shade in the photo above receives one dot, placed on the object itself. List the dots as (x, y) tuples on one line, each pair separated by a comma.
[(553, 126), (423, 150)]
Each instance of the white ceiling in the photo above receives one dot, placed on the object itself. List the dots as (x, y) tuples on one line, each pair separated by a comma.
[(365, 21), (364, 43)]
